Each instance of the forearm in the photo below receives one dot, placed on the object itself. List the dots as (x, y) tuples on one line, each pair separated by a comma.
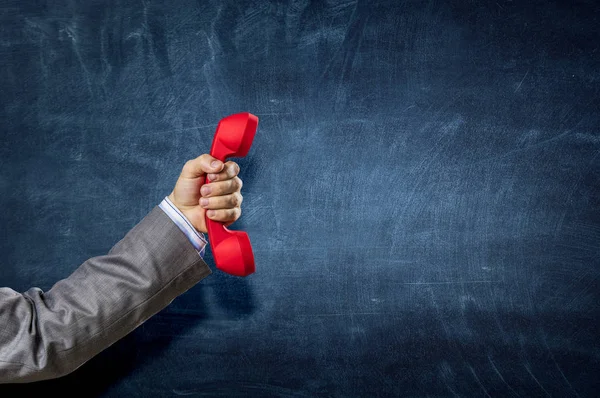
[(47, 335)]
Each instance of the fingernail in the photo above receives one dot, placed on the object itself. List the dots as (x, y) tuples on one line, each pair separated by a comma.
[(206, 190), (210, 213), (212, 177), (204, 202), (215, 164)]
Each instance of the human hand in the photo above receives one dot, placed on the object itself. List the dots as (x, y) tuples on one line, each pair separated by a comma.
[(224, 198)]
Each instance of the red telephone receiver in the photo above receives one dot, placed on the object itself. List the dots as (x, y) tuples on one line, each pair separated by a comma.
[(232, 250)]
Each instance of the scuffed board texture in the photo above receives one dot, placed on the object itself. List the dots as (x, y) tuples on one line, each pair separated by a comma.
[(422, 194)]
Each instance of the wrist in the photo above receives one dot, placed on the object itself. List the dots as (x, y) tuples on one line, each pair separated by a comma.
[(185, 223)]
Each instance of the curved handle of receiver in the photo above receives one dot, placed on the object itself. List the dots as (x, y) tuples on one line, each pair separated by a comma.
[(232, 250)]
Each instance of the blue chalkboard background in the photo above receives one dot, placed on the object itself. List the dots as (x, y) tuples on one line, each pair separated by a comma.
[(422, 194)]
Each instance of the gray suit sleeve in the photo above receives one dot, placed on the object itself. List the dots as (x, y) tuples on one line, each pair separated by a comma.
[(49, 334)]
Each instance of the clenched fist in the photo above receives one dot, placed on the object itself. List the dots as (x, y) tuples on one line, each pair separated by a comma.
[(221, 198)]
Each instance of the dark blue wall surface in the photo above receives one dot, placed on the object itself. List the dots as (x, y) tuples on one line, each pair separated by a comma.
[(422, 194)]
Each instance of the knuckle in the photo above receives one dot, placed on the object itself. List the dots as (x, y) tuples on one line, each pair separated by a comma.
[(236, 199), (188, 165), (237, 183), (205, 160), (230, 169)]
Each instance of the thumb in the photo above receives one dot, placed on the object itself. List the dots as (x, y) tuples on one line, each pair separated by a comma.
[(202, 165)]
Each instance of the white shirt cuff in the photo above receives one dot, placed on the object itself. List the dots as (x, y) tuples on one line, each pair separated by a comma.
[(198, 239)]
